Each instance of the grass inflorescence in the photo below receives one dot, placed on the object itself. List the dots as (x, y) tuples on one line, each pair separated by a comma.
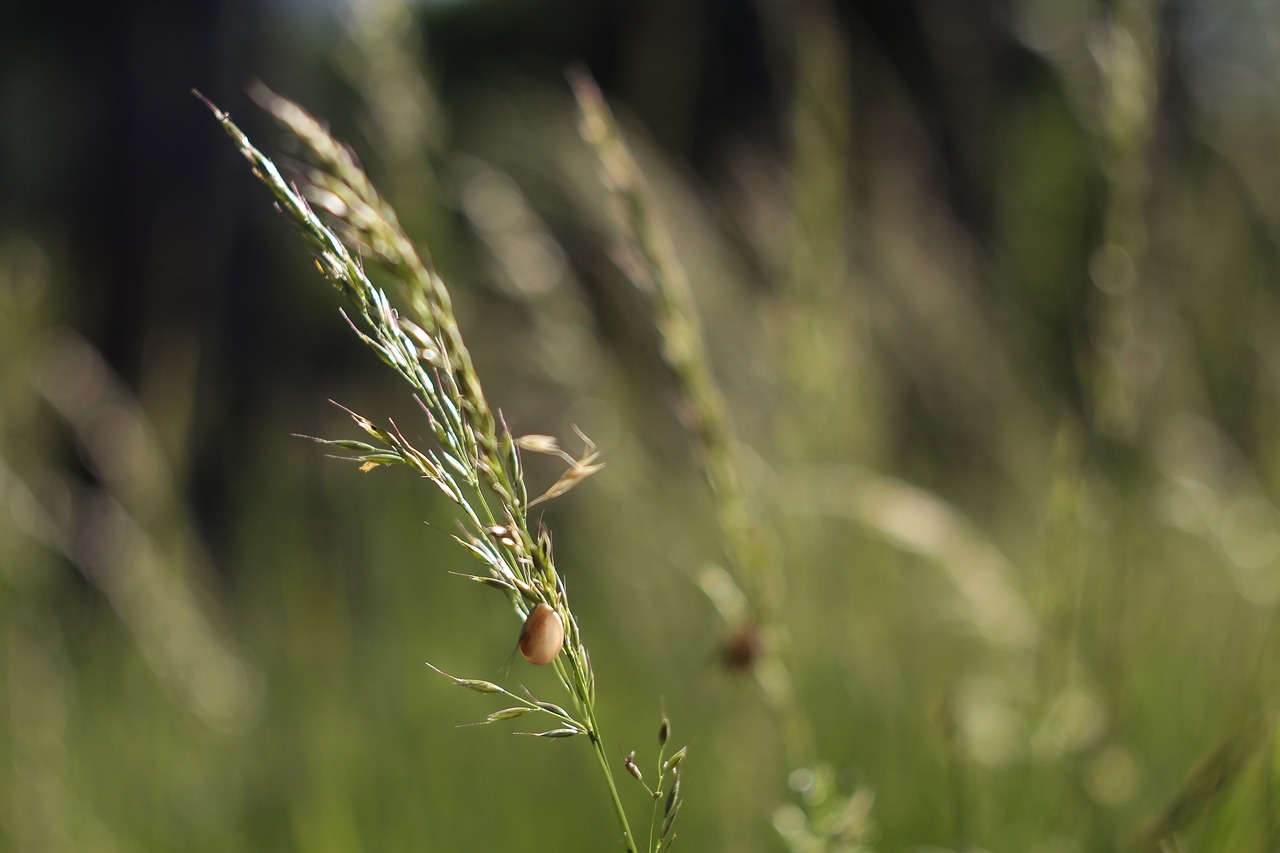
[(750, 592), (476, 461)]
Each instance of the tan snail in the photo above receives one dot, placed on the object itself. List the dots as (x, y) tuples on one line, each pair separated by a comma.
[(542, 635)]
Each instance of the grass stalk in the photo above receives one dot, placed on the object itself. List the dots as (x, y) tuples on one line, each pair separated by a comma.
[(648, 259), (1127, 67), (754, 580), (476, 462)]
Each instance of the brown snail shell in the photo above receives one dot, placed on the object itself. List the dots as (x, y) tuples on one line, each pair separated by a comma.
[(542, 635)]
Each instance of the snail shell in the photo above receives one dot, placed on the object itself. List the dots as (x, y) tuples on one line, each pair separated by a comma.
[(542, 635)]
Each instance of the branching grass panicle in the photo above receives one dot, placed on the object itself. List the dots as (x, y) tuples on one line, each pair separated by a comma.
[(475, 461)]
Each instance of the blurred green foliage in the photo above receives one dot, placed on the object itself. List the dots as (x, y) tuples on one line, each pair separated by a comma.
[(1016, 438)]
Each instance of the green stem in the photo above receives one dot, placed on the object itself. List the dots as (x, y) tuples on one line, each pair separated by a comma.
[(594, 734)]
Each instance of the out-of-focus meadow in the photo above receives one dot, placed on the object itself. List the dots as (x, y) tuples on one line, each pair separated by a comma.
[(992, 291)]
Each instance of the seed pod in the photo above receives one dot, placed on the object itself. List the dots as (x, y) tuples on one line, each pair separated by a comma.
[(542, 635), (630, 763)]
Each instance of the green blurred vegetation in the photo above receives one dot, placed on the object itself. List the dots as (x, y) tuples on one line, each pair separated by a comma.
[(1016, 440)]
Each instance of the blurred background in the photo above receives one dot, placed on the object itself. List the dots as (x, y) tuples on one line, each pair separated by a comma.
[(990, 287)]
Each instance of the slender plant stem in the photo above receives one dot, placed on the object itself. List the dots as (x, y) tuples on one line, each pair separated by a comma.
[(627, 838)]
